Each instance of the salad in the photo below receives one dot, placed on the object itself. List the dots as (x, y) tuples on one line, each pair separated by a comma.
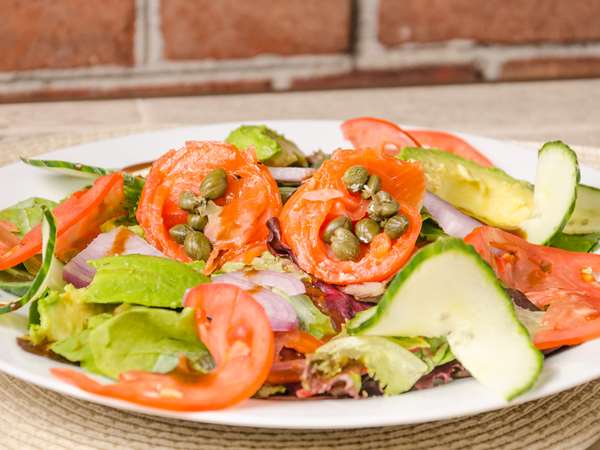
[(248, 268)]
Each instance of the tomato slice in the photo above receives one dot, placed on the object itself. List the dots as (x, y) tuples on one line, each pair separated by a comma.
[(78, 221), (308, 210), (377, 133), (251, 199), (237, 332), (380, 133), (7, 237), (450, 143), (563, 282), (285, 371)]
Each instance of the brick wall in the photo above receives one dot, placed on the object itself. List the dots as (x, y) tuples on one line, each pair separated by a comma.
[(55, 49)]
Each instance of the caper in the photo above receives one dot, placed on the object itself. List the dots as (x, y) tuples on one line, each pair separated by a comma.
[(179, 232), (395, 226), (286, 192), (355, 177), (383, 196), (372, 187), (187, 200), (366, 230), (197, 222), (197, 246), (338, 222), (344, 244), (214, 184)]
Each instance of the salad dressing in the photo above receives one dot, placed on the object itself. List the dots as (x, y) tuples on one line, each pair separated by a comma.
[(120, 241)]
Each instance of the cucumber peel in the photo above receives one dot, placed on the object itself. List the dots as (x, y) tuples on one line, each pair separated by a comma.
[(447, 290), (50, 272), (68, 168), (554, 194)]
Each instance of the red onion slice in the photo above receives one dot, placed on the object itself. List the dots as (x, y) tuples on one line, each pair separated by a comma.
[(280, 312), (450, 219), (79, 273), (285, 282), (291, 174)]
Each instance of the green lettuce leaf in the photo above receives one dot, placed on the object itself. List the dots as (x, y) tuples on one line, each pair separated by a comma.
[(312, 320), (137, 338), (393, 366), (271, 147), (27, 214), (576, 242), (141, 280)]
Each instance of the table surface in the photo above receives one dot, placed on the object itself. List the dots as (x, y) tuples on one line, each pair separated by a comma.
[(532, 111)]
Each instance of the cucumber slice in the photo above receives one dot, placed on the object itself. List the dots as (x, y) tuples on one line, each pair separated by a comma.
[(68, 168), (448, 290), (586, 217), (554, 194), (50, 273)]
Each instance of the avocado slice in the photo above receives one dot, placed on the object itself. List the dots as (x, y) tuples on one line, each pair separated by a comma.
[(493, 196), (447, 290)]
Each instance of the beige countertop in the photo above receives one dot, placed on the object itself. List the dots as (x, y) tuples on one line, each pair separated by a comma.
[(533, 111)]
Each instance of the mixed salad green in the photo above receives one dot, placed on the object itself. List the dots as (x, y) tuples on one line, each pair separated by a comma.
[(246, 268)]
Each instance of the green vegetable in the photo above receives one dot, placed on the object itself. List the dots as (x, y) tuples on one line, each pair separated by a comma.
[(366, 230), (137, 339), (311, 319), (214, 184), (338, 222), (554, 194), (395, 226), (197, 221), (432, 351), (27, 214), (355, 178), (142, 280), (344, 245), (576, 242), (188, 201), (286, 192), (271, 148), (586, 216), (372, 187), (268, 390), (447, 290), (382, 206), (50, 272), (197, 246), (61, 315), (179, 232), (16, 282), (394, 367)]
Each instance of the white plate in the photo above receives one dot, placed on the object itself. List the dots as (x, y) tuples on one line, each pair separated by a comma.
[(562, 371)]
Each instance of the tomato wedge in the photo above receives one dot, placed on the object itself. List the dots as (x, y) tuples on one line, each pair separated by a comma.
[(78, 221), (324, 197), (380, 133), (237, 332), (251, 199), (566, 283), (377, 133), (285, 371), (450, 143)]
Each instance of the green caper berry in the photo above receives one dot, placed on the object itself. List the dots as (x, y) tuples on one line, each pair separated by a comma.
[(187, 201), (372, 187), (344, 245), (395, 226), (366, 230), (383, 196), (197, 222), (214, 184), (373, 211), (197, 246), (286, 192), (355, 178), (388, 209), (179, 232), (338, 222)]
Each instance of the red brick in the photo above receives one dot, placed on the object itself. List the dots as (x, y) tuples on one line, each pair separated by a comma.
[(387, 78), (175, 89), (550, 68), (65, 33), (488, 21), (241, 29)]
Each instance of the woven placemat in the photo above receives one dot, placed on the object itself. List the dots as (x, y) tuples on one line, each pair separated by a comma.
[(32, 417)]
